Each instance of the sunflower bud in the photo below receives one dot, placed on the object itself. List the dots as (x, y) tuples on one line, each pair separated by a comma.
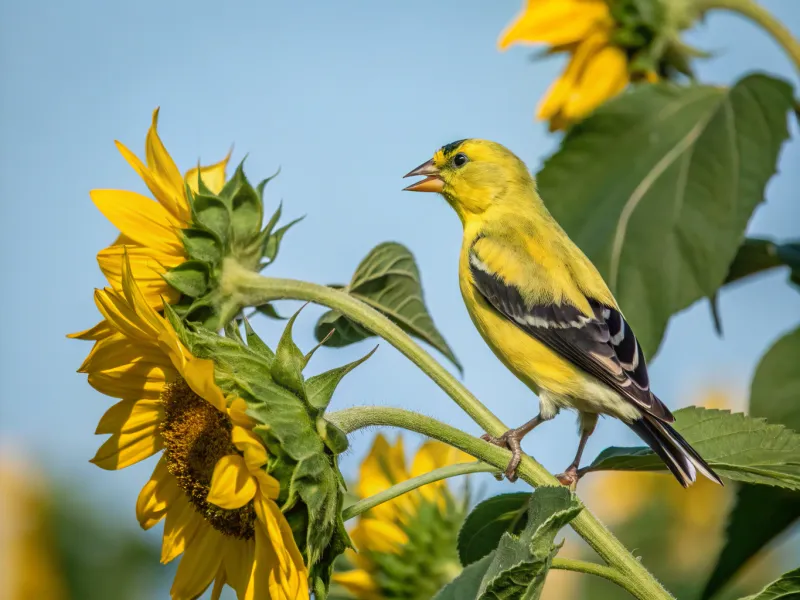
[(288, 414), (225, 228)]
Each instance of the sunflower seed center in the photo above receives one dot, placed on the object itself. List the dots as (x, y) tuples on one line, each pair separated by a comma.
[(196, 435)]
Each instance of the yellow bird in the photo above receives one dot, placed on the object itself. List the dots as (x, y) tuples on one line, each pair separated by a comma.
[(544, 309)]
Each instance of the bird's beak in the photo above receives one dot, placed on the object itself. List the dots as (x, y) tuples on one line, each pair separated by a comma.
[(432, 182)]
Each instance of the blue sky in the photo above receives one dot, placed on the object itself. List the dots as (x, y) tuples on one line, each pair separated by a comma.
[(345, 97)]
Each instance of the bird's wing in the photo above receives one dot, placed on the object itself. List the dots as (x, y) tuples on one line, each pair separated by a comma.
[(603, 345)]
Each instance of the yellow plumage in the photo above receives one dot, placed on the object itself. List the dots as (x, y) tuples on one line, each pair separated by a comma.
[(542, 306)]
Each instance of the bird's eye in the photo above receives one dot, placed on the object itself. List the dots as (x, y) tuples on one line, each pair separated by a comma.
[(460, 159)]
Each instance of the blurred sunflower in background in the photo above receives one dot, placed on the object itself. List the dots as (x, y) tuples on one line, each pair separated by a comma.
[(209, 485), (405, 548), (610, 44), (150, 230)]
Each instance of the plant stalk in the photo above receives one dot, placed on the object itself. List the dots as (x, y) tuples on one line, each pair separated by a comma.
[(589, 568), (758, 14), (415, 482), (245, 288)]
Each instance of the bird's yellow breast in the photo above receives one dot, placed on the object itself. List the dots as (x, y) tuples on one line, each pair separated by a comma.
[(531, 361)]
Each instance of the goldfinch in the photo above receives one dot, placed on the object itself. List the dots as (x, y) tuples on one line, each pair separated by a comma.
[(544, 309)]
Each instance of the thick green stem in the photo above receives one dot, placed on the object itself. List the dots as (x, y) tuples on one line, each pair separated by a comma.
[(757, 13), (415, 482), (581, 566), (244, 288)]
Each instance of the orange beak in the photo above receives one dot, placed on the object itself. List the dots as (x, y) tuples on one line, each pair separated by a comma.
[(432, 182)]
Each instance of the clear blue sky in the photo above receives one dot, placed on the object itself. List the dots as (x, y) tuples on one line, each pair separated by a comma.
[(345, 97)]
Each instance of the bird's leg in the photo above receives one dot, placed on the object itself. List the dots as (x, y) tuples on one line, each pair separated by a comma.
[(570, 477), (511, 439)]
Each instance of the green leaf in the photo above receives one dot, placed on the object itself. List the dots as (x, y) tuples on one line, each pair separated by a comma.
[(213, 214), (736, 446), (268, 310), (774, 395), (287, 368), (662, 216), (488, 521), (202, 245), (247, 212), (190, 278), (785, 588), (756, 255), (260, 187), (320, 388), (388, 280), (334, 438), (466, 585), (520, 564)]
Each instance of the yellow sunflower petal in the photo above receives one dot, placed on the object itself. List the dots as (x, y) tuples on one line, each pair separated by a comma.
[(238, 556), (378, 535), (125, 449), (141, 219), (102, 330), (122, 317), (232, 486), (199, 565), (147, 266), (157, 496), (118, 352), (360, 583), (434, 455), (605, 76), (219, 584), (160, 162), (180, 527), (130, 415), (278, 568), (213, 176), (137, 381), (199, 374), (251, 445), (237, 412), (556, 22)]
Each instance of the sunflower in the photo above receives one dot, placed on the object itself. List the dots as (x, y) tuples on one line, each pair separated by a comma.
[(597, 68), (150, 231), (406, 548), (209, 485)]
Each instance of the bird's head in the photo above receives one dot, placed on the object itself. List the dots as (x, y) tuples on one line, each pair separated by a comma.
[(473, 175)]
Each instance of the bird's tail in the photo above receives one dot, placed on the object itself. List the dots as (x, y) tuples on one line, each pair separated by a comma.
[(677, 454)]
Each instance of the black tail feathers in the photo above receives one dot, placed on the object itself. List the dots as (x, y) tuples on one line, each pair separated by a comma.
[(677, 454)]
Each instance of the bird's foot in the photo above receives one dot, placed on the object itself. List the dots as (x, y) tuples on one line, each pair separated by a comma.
[(510, 439), (570, 477)]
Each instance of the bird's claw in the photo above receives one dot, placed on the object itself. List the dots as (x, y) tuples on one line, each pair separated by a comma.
[(510, 440), (570, 477)]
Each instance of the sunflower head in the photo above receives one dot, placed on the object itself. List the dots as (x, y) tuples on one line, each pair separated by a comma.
[(224, 231), (405, 548), (287, 412)]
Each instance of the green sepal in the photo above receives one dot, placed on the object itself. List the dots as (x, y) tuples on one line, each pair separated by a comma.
[(233, 184), (263, 183), (255, 343), (247, 211), (213, 214), (319, 388), (190, 278), (231, 329), (202, 244), (272, 242), (287, 368), (334, 438), (268, 310)]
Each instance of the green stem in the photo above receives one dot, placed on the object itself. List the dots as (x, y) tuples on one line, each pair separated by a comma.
[(411, 484), (244, 288), (640, 584), (581, 566), (757, 13)]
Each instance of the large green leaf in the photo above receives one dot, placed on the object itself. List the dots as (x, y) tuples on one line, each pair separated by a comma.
[(657, 187), (488, 521), (388, 280), (774, 395), (520, 565), (736, 446), (785, 588), (757, 255), (465, 586)]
